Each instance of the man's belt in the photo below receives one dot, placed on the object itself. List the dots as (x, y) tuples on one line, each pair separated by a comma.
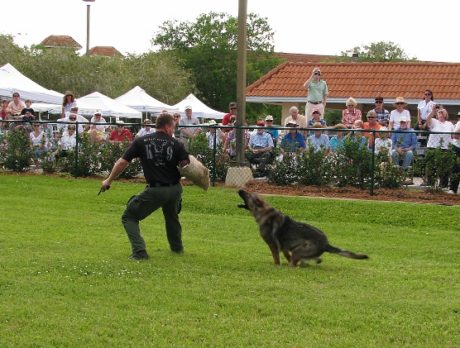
[(315, 103), (160, 184)]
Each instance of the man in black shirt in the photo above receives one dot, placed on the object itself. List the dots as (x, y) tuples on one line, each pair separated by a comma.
[(160, 154)]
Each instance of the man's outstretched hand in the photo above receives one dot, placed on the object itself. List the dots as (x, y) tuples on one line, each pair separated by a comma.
[(104, 187)]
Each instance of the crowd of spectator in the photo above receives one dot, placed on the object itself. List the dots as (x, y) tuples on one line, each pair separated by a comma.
[(389, 134)]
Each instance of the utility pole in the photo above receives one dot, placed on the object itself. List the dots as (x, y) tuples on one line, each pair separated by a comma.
[(88, 7), (241, 81)]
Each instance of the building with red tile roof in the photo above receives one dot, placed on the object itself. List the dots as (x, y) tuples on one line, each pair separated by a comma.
[(60, 41), (363, 81), (107, 51)]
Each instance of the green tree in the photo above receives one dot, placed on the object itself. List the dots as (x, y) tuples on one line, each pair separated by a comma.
[(208, 48), (382, 51)]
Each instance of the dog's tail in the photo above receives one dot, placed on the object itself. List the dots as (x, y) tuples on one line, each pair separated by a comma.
[(345, 253)]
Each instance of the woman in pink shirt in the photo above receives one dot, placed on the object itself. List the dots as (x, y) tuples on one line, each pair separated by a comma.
[(351, 113)]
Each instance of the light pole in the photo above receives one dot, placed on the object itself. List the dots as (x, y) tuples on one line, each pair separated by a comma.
[(88, 6)]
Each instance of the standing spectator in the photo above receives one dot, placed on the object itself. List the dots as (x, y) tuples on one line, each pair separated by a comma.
[(318, 139), (100, 122), (336, 140), (371, 124), (424, 108), (232, 107), (16, 105), (383, 144), (68, 102), (120, 134), (317, 93), (188, 133), (293, 141), (404, 143), (439, 125), (271, 130), (147, 129), (351, 113), (383, 115), (295, 117), (160, 162), (455, 175), (398, 113)]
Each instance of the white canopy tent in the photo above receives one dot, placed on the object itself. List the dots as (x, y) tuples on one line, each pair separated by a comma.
[(96, 101), (11, 80), (137, 98), (199, 109)]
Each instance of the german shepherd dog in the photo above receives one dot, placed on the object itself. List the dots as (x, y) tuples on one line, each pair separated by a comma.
[(298, 241)]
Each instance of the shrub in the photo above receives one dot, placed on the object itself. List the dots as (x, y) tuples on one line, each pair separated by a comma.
[(285, 172), (18, 151), (439, 164), (314, 167)]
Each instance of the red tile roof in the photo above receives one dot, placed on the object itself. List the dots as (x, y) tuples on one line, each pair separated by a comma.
[(361, 80), (108, 51), (60, 41)]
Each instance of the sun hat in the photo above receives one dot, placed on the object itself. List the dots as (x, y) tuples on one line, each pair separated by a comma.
[(400, 100), (269, 118)]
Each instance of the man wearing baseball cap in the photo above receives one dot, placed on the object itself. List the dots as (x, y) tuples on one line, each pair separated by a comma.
[(188, 133)]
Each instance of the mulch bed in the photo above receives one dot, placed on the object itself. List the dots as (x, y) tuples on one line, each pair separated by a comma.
[(402, 195)]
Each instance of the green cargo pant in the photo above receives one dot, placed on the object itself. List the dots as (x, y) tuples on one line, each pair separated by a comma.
[(144, 204)]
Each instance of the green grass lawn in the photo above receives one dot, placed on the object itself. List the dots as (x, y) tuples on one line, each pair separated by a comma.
[(65, 279)]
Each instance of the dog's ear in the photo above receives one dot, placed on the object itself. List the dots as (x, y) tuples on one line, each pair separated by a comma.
[(244, 206)]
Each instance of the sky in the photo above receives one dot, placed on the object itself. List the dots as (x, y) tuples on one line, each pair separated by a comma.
[(424, 29)]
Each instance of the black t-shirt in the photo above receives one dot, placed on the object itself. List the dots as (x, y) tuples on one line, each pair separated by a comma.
[(160, 155)]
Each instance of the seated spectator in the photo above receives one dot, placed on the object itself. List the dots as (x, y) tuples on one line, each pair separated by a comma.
[(188, 133), (16, 105), (357, 135), (67, 142), (28, 107), (404, 142), (230, 116), (120, 134), (271, 130), (300, 120), (336, 140), (4, 110), (351, 113), (230, 141), (383, 144), (316, 118), (96, 135), (39, 143), (214, 132), (398, 113), (293, 141), (383, 115), (101, 123), (260, 149), (176, 117), (318, 139), (371, 124), (455, 174), (147, 129)]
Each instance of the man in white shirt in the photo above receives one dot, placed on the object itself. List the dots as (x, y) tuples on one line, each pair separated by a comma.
[(101, 123), (147, 129)]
